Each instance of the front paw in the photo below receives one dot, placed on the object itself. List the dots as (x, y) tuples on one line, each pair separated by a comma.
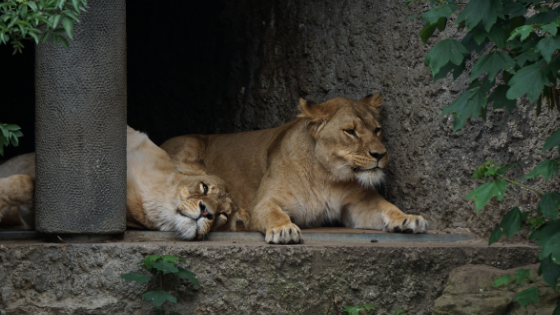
[(404, 223), (284, 234)]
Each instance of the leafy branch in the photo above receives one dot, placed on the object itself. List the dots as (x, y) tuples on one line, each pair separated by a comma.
[(524, 61), (9, 134), (162, 268), (38, 20)]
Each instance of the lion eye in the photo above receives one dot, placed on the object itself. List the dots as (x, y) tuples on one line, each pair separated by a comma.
[(204, 188), (350, 132), (377, 130)]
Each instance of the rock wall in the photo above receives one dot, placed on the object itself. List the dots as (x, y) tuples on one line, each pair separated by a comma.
[(242, 65), (61, 279)]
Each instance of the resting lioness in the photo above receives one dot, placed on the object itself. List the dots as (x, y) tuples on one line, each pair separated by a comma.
[(321, 167), (160, 195)]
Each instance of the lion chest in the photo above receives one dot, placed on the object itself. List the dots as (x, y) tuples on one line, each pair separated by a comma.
[(317, 208)]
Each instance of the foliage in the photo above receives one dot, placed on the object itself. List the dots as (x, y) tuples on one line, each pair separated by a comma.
[(161, 269), (9, 134), (38, 20), (515, 54)]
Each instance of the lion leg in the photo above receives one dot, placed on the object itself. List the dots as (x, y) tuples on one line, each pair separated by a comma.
[(269, 219), (17, 190), (376, 213)]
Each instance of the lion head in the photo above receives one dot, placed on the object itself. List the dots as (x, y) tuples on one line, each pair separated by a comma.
[(348, 138), (203, 205)]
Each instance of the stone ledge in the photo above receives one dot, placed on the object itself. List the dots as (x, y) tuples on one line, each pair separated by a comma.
[(251, 278)]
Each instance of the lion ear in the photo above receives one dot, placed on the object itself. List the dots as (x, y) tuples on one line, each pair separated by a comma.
[(313, 111), (373, 100)]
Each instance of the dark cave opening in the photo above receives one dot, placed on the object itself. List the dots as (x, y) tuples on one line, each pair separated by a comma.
[(178, 65)]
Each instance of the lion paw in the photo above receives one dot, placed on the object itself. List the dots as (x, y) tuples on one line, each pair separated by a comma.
[(285, 234), (405, 223)]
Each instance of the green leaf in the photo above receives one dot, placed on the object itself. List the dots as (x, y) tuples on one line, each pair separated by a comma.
[(530, 79), (63, 41), (158, 297), (527, 296), (514, 9), (68, 25), (471, 103), (550, 272), (503, 280), (165, 267), (522, 274), (548, 205), (485, 192), (370, 307), (543, 18), (556, 310), (535, 222), (173, 313), (159, 312), (436, 13), (496, 235), (136, 276), (55, 20), (354, 310), (499, 99), (172, 259), (547, 169), (149, 261), (492, 63), (448, 50), (497, 35), (552, 248), (32, 5), (429, 29), (545, 232), (486, 11), (547, 46), (480, 171), (511, 223), (552, 141), (551, 28), (523, 31), (187, 275)]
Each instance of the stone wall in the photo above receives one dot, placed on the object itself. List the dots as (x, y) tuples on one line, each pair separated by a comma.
[(61, 279)]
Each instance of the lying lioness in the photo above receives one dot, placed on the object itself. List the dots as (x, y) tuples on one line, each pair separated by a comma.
[(319, 168), (160, 195)]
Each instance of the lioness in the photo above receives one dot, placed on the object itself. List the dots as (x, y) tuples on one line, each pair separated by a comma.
[(318, 168), (160, 195)]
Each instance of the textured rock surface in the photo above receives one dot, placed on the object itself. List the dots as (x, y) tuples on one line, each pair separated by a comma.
[(237, 279), (469, 291), (246, 68)]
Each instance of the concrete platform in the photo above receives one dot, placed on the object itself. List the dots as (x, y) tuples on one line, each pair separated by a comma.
[(243, 277)]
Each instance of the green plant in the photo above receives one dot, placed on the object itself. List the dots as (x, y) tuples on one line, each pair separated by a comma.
[(9, 134), (162, 269), (518, 56), (38, 20), (359, 309)]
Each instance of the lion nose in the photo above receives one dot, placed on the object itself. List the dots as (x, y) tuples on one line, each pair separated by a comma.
[(203, 210), (377, 155)]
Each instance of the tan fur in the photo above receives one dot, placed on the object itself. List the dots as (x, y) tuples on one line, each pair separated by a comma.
[(160, 195), (307, 172)]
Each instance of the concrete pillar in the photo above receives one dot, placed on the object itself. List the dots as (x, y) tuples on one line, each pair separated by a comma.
[(81, 96)]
